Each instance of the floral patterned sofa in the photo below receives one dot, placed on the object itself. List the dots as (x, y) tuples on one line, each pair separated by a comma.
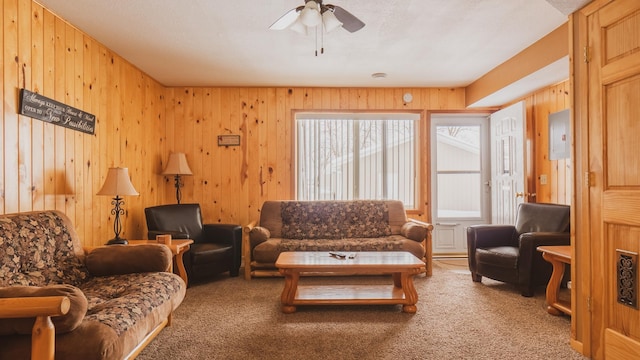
[(107, 303), (348, 226)]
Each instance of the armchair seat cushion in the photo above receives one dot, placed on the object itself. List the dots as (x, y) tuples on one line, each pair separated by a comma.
[(502, 256)]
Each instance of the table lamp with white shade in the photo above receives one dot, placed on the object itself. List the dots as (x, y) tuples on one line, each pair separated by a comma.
[(116, 184), (177, 166)]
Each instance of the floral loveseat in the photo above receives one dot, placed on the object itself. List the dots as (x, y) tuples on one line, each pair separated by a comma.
[(111, 301), (347, 226)]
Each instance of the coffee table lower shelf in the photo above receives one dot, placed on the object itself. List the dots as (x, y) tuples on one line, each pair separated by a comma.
[(349, 295)]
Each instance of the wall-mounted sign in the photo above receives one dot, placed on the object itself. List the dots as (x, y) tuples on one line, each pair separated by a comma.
[(228, 140), (42, 108)]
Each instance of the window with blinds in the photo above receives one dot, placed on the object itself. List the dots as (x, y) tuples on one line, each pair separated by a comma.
[(357, 156)]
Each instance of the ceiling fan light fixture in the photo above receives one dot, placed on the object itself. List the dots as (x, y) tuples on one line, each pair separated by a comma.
[(330, 21), (310, 15), (299, 27)]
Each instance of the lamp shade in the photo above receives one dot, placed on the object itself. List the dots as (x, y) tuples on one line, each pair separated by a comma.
[(330, 21), (117, 183), (177, 165), (310, 15), (299, 27)]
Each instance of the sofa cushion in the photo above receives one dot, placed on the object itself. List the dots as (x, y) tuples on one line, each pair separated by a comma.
[(64, 323), (120, 301), (37, 249), (334, 219), (268, 251)]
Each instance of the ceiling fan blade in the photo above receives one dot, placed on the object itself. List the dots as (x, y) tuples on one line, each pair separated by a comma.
[(286, 20), (349, 22)]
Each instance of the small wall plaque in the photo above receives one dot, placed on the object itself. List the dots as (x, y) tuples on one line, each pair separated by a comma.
[(228, 140)]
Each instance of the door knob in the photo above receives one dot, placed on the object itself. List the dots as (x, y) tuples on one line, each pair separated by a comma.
[(519, 194)]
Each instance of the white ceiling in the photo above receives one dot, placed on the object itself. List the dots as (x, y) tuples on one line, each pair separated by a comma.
[(418, 43)]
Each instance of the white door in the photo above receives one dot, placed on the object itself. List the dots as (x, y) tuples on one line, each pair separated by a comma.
[(460, 183), (507, 163)]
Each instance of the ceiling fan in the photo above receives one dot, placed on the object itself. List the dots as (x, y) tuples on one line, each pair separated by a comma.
[(314, 13)]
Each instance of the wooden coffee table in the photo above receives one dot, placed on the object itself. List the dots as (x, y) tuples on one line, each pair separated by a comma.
[(401, 265)]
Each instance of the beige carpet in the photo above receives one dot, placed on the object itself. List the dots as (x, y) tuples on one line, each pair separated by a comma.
[(231, 318)]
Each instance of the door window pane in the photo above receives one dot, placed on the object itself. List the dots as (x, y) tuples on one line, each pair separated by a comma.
[(459, 195), (458, 166)]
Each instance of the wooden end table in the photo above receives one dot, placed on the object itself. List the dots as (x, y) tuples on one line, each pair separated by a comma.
[(558, 256), (402, 265), (178, 248)]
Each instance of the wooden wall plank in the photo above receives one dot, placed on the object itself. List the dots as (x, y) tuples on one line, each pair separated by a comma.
[(48, 90), (3, 110), (68, 87), (37, 126), (11, 64), (25, 136)]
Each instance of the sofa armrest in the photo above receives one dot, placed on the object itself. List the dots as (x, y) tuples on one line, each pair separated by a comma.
[(529, 243), (123, 259), (530, 260), (414, 228), (229, 234), (174, 234), (414, 231), (42, 308), (247, 249), (258, 235)]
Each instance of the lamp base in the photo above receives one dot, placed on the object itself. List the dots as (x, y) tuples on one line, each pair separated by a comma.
[(117, 241)]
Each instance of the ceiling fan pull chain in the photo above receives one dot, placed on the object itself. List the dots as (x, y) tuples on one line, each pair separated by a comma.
[(321, 38), (316, 28)]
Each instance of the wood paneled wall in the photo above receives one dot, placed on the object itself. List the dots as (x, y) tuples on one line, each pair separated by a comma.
[(231, 183), (50, 167), (139, 122)]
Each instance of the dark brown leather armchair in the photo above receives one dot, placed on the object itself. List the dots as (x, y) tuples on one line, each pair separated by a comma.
[(216, 248), (509, 253)]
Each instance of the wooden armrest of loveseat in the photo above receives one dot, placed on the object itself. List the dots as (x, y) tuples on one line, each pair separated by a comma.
[(428, 246), (42, 308), (246, 249)]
